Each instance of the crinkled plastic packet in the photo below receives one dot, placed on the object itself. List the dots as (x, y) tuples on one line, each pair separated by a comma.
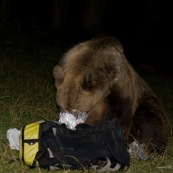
[(137, 151), (13, 137), (73, 118)]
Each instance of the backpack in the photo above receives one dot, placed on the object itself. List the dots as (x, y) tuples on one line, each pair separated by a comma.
[(51, 145)]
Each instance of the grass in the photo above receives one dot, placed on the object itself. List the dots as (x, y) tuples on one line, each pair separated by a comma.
[(27, 94)]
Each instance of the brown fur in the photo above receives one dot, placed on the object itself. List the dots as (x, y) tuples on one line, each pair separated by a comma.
[(95, 77)]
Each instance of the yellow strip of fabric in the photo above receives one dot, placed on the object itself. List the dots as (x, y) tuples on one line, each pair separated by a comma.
[(30, 149)]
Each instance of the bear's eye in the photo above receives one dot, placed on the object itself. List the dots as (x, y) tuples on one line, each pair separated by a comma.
[(88, 80), (101, 69)]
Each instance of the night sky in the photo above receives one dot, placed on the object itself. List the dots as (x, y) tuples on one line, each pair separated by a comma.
[(144, 27)]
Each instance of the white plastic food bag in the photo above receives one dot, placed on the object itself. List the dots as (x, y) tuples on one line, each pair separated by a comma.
[(13, 137), (73, 118)]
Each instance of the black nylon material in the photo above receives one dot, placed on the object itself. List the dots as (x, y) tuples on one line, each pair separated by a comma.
[(82, 148)]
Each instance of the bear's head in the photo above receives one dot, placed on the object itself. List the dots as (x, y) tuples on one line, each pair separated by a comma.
[(84, 79)]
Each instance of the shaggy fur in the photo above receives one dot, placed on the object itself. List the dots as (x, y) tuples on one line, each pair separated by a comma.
[(95, 77)]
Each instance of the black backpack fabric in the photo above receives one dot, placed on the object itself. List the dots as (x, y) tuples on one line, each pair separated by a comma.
[(100, 147)]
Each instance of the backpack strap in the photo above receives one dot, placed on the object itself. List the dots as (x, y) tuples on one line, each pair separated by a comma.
[(55, 148), (49, 154)]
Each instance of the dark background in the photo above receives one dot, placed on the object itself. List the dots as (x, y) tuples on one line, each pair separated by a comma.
[(144, 27)]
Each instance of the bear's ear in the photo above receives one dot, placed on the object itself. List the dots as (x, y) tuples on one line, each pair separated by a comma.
[(88, 80), (58, 74)]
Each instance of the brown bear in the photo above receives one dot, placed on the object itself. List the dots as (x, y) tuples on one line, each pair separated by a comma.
[(95, 77)]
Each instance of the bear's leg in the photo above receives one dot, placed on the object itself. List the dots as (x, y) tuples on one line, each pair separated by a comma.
[(150, 125)]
